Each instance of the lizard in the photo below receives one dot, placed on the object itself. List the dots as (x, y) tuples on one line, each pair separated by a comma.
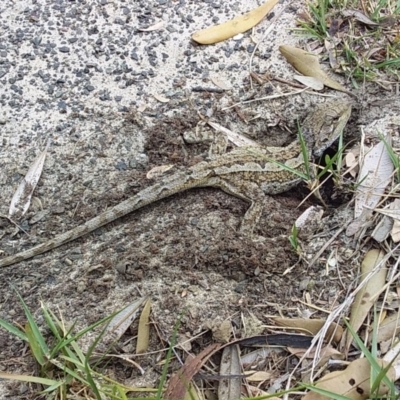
[(249, 173)]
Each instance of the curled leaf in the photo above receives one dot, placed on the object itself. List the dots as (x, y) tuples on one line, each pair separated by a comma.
[(307, 64), (228, 29)]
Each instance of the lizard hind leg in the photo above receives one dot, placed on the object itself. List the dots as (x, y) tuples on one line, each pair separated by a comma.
[(205, 134), (248, 191)]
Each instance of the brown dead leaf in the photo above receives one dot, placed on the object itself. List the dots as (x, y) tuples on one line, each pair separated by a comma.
[(237, 25), (178, 384), (307, 64), (389, 328), (312, 326), (353, 382), (366, 297), (142, 343)]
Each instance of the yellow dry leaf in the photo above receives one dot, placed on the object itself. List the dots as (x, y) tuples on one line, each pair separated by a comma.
[(142, 343), (312, 326), (389, 328), (353, 382), (228, 29), (307, 64), (258, 376), (366, 297)]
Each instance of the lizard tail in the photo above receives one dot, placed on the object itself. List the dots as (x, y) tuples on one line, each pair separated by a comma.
[(176, 183)]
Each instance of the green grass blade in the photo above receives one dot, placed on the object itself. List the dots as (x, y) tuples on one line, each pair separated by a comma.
[(35, 347), (83, 331), (168, 359), (326, 393), (387, 63), (381, 372), (50, 321), (29, 378), (35, 329), (13, 330)]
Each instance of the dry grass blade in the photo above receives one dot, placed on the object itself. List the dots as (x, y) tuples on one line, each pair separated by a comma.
[(142, 343)]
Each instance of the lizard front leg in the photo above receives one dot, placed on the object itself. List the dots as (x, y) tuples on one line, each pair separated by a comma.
[(248, 191)]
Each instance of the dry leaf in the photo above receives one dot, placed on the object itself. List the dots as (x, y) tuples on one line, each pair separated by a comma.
[(160, 98), (382, 229), (257, 376), (312, 326), (142, 343), (22, 197), (353, 382), (327, 352), (368, 294), (309, 221), (237, 25), (351, 163), (236, 138), (155, 27), (309, 81), (158, 171), (389, 328), (229, 389), (221, 84), (178, 384), (307, 64), (395, 233), (121, 321), (375, 174), (259, 355), (359, 16), (390, 221)]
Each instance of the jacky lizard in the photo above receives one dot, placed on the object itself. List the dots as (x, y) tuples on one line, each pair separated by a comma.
[(248, 173)]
